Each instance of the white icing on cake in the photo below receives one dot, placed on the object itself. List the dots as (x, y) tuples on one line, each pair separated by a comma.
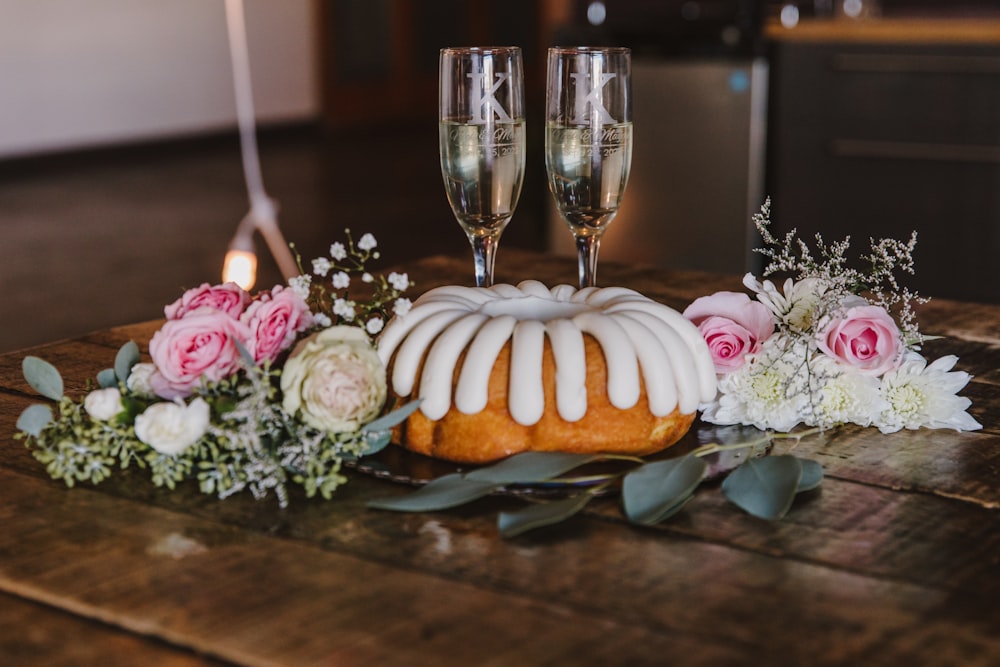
[(637, 335)]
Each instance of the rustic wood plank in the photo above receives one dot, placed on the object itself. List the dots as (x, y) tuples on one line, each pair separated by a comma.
[(196, 583), (32, 634), (260, 600)]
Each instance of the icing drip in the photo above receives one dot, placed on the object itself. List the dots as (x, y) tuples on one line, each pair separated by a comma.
[(638, 336)]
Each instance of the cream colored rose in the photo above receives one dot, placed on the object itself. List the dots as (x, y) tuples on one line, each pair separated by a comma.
[(334, 380), (103, 404), (171, 427)]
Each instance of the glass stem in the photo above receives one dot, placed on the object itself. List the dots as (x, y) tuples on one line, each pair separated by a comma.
[(586, 252), (484, 249)]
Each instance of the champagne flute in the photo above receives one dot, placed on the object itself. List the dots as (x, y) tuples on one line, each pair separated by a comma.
[(481, 134), (588, 142)]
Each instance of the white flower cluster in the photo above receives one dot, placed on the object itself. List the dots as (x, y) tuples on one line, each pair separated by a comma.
[(790, 380), (345, 260), (816, 352)]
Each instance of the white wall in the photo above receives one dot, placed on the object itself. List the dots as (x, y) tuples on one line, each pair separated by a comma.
[(77, 73)]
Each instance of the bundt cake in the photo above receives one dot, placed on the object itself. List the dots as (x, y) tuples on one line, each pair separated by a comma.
[(508, 369)]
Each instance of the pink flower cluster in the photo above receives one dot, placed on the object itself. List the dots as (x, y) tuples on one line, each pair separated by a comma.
[(864, 338), (199, 339)]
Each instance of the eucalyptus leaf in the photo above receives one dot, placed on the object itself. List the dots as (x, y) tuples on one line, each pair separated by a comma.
[(541, 514), (443, 493), (248, 359), (531, 467), (812, 475), (43, 377), (34, 419), (764, 487), (107, 378), (387, 421), (376, 442), (127, 357), (657, 490)]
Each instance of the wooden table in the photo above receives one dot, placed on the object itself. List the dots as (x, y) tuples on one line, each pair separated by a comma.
[(894, 561)]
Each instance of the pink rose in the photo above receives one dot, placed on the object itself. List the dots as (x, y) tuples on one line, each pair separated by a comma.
[(274, 320), (866, 338), (732, 325), (200, 345), (230, 298)]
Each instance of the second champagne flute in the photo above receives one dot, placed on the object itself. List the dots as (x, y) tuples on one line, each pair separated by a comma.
[(481, 135), (588, 142)]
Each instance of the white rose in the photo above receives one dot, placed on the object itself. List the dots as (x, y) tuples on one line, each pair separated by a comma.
[(104, 404), (138, 379), (172, 427), (334, 380)]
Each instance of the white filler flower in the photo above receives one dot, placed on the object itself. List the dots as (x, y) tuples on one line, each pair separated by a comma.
[(172, 427)]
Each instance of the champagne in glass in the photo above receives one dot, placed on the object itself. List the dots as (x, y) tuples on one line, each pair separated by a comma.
[(588, 142), (481, 134)]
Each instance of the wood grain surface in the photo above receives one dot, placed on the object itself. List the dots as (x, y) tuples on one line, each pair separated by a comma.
[(892, 561)]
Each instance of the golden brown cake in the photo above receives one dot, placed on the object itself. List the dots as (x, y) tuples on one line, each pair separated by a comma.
[(509, 369)]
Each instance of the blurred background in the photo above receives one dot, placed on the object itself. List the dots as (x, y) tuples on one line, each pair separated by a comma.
[(121, 180)]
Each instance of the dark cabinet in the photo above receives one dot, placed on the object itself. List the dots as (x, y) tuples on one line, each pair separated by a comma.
[(874, 139)]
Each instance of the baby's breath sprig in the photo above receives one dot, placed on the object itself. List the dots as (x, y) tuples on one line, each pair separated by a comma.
[(879, 282), (328, 287)]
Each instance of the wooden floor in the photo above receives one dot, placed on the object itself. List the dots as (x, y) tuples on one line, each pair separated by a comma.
[(107, 237)]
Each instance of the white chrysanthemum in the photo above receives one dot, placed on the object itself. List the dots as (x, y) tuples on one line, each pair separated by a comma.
[(847, 396), (341, 280), (367, 242), (399, 281), (321, 266), (763, 393), (795, 305), (921, 395), (338, 251)]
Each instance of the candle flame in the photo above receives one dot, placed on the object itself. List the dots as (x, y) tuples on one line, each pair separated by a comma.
[(240, 267)]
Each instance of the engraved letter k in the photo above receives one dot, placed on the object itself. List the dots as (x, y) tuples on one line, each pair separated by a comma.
[(483, 102), (589, 92)]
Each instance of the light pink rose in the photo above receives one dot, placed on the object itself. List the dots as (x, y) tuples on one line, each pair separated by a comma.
[(866, 338), (274, 320), (230, 298), (202, 344), (732, 325)]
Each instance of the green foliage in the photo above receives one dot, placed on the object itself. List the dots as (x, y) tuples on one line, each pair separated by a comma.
[(43, 377), (651, 491), (766, 487), (127, 357), (658, 490), (511, 524)]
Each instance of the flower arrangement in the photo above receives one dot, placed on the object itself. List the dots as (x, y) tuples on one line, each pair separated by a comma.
[(242, 392), (826, 349)]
